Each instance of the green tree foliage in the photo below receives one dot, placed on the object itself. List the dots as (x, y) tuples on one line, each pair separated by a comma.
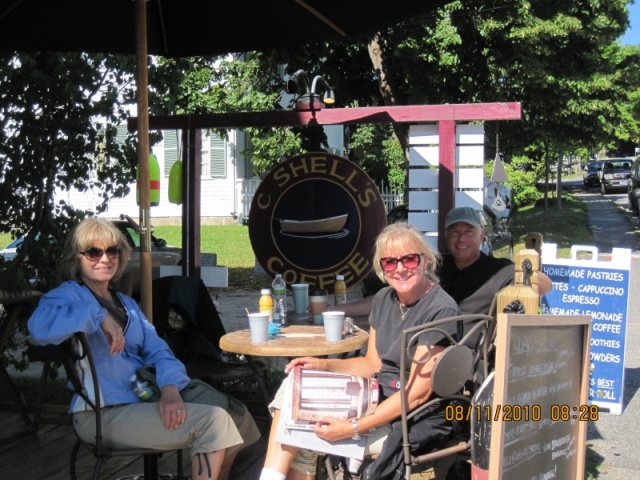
[(559, 59), (56, 110)]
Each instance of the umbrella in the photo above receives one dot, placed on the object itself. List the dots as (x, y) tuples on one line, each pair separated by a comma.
[(176, 28)]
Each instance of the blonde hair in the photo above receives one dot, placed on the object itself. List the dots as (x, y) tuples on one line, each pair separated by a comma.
[(85, 235), (404, 236)]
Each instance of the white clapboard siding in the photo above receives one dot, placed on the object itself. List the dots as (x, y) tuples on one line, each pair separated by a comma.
[(424, 170)]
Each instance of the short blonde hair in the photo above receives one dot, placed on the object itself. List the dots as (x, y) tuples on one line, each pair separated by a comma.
[(85, 235), (404, 236)]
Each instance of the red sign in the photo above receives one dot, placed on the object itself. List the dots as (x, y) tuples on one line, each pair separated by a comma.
[(315, 216)]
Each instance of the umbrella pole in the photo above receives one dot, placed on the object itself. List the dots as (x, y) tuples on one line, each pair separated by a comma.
[(142, 81)]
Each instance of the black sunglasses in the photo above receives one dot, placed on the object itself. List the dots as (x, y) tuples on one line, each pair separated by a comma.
[(95, 253), (389, 264)]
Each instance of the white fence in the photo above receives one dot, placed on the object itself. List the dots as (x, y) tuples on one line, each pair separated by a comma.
[(390, 198)]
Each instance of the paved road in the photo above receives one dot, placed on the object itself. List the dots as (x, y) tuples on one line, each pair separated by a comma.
[(612, 440)]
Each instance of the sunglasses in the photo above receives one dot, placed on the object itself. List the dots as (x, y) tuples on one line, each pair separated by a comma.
[(389, 264), (95, 253)]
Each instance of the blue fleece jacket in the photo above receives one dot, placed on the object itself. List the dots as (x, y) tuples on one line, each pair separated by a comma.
[(72, 308)]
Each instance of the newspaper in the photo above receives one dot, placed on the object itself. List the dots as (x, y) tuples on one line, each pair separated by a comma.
[(313, 394)]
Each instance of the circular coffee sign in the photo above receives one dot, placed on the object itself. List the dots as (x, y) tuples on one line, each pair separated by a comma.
[(315, 216)]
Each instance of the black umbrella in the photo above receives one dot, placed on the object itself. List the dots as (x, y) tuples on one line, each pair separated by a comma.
[(179, 28)]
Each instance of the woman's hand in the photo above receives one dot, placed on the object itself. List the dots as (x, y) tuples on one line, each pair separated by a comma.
[(171, 407), (311, 363), (333, 429), (114, 333)]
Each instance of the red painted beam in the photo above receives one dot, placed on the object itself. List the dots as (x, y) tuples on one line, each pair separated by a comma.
[(446, 177), (338, 116)]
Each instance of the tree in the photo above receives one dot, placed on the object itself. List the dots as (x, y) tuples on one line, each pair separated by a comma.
[(55, 111), (558, 58)]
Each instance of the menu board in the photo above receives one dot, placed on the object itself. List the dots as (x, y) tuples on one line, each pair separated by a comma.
[(539, 413), (600, 289)]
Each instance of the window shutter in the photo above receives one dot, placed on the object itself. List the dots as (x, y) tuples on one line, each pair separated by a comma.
[(170, 149), (217, 157)]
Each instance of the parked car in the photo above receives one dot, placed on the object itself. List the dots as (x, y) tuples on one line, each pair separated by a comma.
[(590, 176), (161, 253), (633, 189), (614, 174)]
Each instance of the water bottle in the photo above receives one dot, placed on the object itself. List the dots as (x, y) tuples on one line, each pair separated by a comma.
[(266, 303), (279, 289), (141, 388), (340, 290)]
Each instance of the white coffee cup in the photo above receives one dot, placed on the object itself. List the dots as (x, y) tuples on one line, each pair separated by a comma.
[(259, 327), (333, 324)]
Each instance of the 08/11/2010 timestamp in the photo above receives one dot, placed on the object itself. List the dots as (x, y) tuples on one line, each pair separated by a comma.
[(526, 413)]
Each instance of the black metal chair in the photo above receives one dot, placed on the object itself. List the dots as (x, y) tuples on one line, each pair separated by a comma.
[(185, 316), (456, 376), (51, 357), (74, 350)]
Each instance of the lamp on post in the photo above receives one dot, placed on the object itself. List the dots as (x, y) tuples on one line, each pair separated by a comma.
[(309, 98)]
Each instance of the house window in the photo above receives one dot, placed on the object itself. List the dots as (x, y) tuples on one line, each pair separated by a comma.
[(214, 157), (214, 154)]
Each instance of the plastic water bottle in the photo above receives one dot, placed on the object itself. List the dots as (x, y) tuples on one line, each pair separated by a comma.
[(279, 289), (340, 290), (141, 388)]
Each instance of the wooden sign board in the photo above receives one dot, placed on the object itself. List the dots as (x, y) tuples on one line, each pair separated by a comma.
[(540, 412)]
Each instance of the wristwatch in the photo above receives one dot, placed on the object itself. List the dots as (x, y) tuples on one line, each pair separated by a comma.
[(356, 433)]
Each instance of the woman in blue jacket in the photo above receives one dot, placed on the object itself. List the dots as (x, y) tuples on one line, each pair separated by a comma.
[(122, 340)]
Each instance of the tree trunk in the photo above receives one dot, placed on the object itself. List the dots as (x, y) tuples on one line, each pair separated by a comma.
[(559, 181), (390, 93)]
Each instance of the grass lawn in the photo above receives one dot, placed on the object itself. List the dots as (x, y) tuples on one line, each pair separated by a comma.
[(564, 227)]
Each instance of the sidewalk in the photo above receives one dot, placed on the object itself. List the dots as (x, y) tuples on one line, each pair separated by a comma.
[(611, 440)]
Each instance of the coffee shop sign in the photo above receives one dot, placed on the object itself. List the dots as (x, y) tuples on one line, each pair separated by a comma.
[(314, 216)]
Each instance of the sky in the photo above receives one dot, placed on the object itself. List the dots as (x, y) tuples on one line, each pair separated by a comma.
[(632, 36)]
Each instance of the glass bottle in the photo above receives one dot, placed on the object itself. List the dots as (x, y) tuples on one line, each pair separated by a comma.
[(340, 290)]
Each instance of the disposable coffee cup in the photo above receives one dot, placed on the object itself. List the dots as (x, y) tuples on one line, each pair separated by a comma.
[(259, 327), (333, 322), (317, 305), (300, 297)]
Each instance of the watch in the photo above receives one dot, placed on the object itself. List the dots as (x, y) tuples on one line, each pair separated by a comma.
[(356, 433)]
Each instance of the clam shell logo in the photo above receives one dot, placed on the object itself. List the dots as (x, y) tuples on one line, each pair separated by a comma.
[(314, 216)]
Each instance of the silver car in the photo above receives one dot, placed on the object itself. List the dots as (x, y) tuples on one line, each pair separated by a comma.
[(614, 174)]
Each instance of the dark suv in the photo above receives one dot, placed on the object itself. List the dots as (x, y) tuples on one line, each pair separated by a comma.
[(614, 174), (590, 174), (633, 189)]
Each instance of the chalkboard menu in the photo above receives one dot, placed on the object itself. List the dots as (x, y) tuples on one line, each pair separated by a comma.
[(539, 413)]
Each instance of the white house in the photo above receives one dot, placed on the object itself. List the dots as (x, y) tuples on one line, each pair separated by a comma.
[(228, 181)]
